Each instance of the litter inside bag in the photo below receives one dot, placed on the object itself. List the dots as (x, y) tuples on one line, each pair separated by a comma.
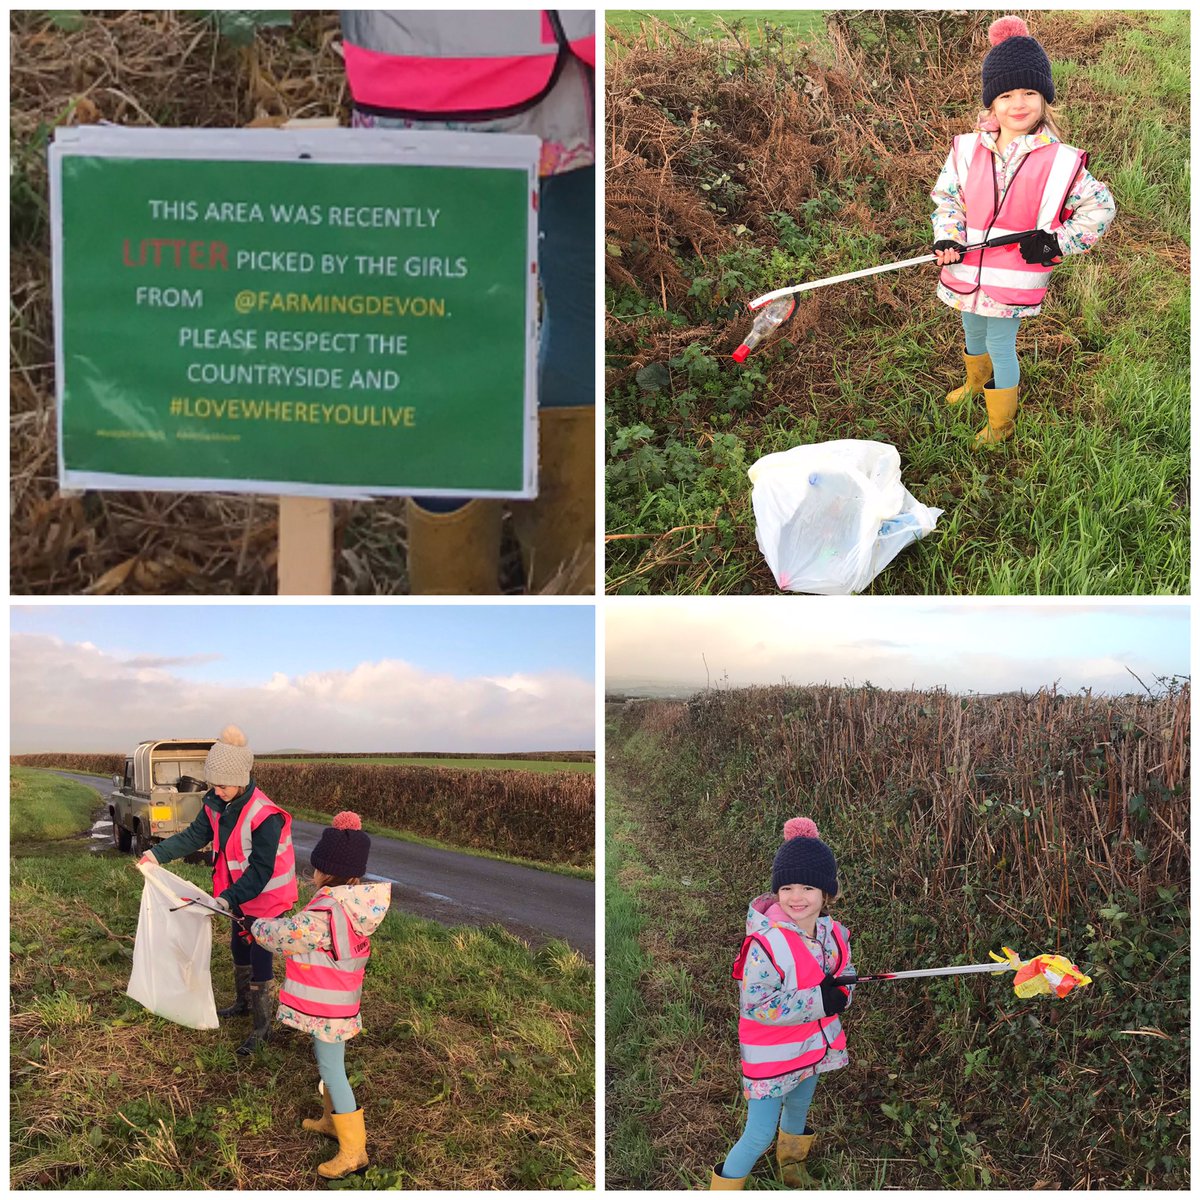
[(173, 951), (831, 516)]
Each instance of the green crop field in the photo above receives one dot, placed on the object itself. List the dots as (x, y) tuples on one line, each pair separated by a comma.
[(736, 167), (750, 24), (475, 1068)]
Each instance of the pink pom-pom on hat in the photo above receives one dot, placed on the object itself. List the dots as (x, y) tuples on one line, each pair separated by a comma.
[(347, 820), (799, 827), (1006, 27)]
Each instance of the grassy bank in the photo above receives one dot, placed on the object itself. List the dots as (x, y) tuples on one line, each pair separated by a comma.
[(953, 1083), (44, 807), (475, 1069), (737, 168), (750, 25)]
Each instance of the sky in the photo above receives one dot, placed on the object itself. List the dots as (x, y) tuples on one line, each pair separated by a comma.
[(303, 677), (962, 646)]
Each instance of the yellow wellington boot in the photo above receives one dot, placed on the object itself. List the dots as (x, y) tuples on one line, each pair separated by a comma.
[(1001, 410), (325, 1124), (791, 1149), (721, 1184), (455, 553), (352, 1146), (979, 372), (557, 531)]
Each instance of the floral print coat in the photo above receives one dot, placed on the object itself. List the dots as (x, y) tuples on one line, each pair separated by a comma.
[(366, 905), (763, 998), (1090, 202)]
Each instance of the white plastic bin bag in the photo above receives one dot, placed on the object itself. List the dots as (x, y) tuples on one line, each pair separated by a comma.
[(831, 516), (171, 956)]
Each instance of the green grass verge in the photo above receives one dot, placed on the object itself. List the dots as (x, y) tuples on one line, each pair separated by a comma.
[(1090, 497), (44, 807), (452, 764), (323, 818), (475, 1071), (745, 24)]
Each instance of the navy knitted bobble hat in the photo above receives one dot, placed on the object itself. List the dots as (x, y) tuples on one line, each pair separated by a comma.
[(1016, 60), (343, 848), (804, 858)]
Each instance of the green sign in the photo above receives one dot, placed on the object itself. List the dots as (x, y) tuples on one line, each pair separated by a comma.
[(333, 313)]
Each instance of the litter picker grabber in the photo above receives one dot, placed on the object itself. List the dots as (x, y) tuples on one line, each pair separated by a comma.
[(179, 902), (782, 305), (1007, 240), (1045, 975)]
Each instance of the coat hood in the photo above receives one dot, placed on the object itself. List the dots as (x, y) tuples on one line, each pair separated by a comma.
[(1025, 143), (366, 904), (764, 911)]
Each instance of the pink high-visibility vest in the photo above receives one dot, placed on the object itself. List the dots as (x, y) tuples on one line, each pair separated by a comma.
[(770, 1049), (232, 860), (460, 65), (325, 983), (1034, 199)]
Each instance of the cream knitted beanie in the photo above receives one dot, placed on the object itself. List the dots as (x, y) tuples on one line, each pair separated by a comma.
[(229, 761)]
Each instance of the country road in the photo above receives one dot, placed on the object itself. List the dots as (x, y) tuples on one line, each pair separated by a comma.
[(462, 889)]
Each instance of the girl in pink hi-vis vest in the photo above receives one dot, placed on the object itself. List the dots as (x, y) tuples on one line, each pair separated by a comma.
[(1011, 174), (789, 1025), (327, 945)]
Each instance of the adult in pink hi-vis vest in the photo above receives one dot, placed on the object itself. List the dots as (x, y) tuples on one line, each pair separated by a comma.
[(254, 869), (789, 1019), (328, 946), (505, 71), (1011, 175)]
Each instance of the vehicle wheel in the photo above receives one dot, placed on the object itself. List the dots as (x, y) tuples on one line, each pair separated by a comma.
[(141, 843), (121, 836)]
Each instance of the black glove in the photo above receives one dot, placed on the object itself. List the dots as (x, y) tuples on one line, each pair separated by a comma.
[(1040, 249), (949, 244), (833, 999)]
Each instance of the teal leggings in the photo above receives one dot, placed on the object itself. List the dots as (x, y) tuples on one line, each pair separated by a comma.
[(331, 1062), (762, 1119), (997, 338)]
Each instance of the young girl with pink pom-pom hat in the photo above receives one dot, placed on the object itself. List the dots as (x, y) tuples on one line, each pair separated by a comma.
[(789, 1022), (1012, 174), (327, 945)]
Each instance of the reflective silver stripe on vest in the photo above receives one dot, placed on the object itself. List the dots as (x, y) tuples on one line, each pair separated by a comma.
[(782, 954), (488, 33), (1058, 184), (340, 932), (964, 150), (302, 991), (321, 958), (783, 1052), (258, 804)]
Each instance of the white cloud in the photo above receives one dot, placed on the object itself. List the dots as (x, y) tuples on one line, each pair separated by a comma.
[(73, 696)]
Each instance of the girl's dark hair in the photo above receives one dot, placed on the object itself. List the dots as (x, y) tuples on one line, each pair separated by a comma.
[(336, 881)]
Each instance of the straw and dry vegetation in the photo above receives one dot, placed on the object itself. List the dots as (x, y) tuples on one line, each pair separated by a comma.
[(544, 816), (1050, 823), (737, 166), (169, 69)]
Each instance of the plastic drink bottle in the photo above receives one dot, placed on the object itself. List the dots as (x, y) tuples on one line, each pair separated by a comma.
[(766, 322)]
